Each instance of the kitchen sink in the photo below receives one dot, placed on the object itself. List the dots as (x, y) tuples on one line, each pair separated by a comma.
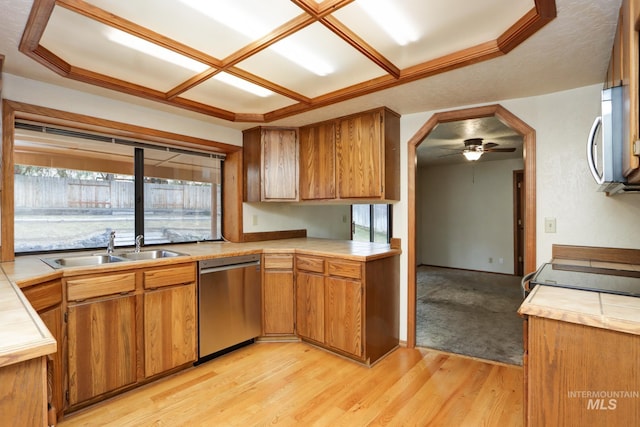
[(82, 260), (102, 258), (150, 254)]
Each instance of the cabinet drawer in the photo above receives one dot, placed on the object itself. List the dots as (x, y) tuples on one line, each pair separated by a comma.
[(278, 262), (97, 286), (350, 269), (309, 263), (44, 295), (168, 276)]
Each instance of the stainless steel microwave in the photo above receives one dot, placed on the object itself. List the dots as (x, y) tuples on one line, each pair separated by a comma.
[(606, 143)]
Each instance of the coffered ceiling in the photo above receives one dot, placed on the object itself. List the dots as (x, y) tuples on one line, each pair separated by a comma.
[(303, 54)]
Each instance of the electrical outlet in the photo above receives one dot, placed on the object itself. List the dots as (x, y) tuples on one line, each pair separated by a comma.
[(490, 260), (501, 260), (255, 220), (549, 225)]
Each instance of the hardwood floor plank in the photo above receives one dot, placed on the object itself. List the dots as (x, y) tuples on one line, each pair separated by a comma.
[(294, 384)]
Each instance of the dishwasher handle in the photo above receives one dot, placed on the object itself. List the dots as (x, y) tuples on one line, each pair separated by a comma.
[(228, 267)]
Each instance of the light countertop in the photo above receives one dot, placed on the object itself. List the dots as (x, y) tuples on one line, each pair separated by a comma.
[(23, 335), (601, 310)]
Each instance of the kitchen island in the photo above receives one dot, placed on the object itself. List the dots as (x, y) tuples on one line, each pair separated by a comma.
[(127, 295), (582, 352)]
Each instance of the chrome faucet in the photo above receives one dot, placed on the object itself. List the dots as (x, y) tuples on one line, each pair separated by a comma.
[(139, 240), (112, 242)]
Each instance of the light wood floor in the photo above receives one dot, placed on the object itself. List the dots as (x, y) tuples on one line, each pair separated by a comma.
[(295, 384)]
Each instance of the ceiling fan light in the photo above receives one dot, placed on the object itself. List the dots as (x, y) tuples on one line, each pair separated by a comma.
[(472, 155)]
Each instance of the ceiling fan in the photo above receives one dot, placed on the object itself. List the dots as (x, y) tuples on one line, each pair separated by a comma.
[(474, 148)]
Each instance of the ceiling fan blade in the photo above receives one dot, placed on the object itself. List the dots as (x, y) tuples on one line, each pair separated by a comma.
[(500, 150), (489, 145), (447, 155)]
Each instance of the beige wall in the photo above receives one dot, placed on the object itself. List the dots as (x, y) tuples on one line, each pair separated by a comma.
[(565, 189), (464, 215)]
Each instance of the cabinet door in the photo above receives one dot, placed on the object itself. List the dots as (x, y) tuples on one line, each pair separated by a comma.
[(278, 302), (101, 347), (358, 147), (52, 319), (169, 328), (310, 306), (318, 162), (279, 164), (344, 315)]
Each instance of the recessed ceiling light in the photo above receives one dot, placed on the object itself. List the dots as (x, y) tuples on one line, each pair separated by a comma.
[(392, 21), (242, 84), (229, 15), (154, 50)]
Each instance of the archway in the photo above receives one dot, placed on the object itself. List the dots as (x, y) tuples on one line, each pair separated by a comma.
[(529, 138)]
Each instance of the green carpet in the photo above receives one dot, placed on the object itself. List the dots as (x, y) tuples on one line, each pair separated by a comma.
[(470, 313)]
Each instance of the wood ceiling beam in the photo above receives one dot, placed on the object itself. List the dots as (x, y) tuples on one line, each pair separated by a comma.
[(97, 79), (245, 75), (322, 13), (36, 24), (320, 10), (544, 12), (525, 27), (341, 30), (228, 63)]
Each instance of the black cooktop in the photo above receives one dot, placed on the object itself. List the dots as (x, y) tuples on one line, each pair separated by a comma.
[(621, 282)]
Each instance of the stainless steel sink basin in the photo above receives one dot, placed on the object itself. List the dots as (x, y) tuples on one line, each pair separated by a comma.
[(82, 260), (150, 254)]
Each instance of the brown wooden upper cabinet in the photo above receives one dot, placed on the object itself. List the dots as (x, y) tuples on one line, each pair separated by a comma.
[(368, 155), (355, 157), (624, 71), (318, 161), (270, 164)]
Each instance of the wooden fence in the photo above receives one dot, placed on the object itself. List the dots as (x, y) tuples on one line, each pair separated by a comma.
[(47, 192)]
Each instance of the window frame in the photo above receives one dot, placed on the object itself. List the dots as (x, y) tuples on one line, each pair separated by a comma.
[(12, 111), (372, 229)]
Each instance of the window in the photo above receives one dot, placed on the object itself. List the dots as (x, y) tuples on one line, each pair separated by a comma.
[(72, 189), (371, 223)]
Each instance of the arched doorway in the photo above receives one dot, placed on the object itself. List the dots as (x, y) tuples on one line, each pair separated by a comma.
[(528, 135)]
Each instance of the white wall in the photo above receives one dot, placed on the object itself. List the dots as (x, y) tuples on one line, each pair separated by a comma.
[(323, 221), (565, 189), (464, 215)]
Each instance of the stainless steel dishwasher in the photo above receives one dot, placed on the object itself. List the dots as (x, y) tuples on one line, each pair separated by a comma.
[(229, 300)]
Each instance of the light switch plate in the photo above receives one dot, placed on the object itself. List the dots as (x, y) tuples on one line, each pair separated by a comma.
[(549, 225)]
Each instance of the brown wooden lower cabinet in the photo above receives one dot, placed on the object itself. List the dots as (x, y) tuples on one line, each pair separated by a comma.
[(350, 307), (277, 295), (344, 315), (27, 379), (580, 375), (46, 299), (126, 327), (310, 306), (102, 347), (170, 327)]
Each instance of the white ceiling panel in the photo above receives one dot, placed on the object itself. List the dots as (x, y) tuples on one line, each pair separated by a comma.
[(347, 66), (440, 27), (211, 33), (84, 43), (222, 95)]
